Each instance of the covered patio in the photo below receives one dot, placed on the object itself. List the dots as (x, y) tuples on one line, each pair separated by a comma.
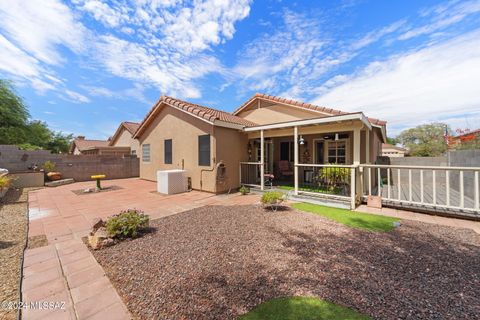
[(314, 156)]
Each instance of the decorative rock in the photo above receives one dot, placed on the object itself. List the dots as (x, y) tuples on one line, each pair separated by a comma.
[(97, 224), (108, 242), (397, 224)]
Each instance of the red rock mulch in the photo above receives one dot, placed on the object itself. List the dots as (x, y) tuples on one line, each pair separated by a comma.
[(219, 262)]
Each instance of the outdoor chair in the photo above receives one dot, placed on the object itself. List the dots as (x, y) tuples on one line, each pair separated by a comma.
[(285, 169)]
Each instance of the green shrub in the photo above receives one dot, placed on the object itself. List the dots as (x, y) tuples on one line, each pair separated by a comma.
[(127, 224), (272, 199), (244, 190), (49, 166)]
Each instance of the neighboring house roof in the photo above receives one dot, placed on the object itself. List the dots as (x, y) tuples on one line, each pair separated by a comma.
[(131, 127), (84, 144), (205, 113), (391, 146), (307, 106)]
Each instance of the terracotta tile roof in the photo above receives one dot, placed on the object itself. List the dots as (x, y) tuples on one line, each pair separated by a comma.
[(83, 144), (309, 106), (131, 126), (203, 112)]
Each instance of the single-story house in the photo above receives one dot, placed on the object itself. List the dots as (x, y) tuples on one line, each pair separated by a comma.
[(82, 146), (389, 150), (123, 137), (281, 139)]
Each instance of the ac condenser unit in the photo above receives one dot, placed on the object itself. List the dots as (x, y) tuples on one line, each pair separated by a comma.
[(172, 181)]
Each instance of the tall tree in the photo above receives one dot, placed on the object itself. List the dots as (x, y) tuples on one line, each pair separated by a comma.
[(427, 140), (13, 115), (15, 127)]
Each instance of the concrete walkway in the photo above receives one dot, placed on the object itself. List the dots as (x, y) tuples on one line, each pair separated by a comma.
[(64, 272), (409, 215)]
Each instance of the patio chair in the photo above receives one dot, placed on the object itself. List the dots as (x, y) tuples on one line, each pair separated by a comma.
[(285, 169)]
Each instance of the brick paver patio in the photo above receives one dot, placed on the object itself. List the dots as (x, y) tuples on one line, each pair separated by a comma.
[(65, 270)]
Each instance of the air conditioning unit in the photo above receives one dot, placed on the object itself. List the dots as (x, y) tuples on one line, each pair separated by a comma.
[(172, 181)]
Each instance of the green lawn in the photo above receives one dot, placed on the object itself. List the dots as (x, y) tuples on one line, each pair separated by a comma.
[(349, 218), (301, 308)]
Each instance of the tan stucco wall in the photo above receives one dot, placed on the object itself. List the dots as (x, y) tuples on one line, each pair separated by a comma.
[(125, 140), (277, 113), (376, 143), (231, 149), (184, 130)]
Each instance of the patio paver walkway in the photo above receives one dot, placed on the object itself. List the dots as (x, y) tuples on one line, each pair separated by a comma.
[(65, 271)]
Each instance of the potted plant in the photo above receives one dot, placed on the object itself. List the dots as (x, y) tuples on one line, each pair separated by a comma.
[(51, 174)]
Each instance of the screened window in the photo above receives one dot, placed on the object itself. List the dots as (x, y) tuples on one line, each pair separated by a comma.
[(168, 151), (286, 151), (337, 152), (146, 152), (204, 150)]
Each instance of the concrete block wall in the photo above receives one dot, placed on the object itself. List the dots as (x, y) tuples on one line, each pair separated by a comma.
[(464, 158), (78, 167)]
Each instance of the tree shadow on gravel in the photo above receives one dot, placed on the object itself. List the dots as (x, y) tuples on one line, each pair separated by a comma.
[(6, 244), (407, 273)]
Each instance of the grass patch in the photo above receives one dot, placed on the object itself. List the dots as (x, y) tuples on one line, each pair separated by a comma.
[(349, 218), (301, 308)]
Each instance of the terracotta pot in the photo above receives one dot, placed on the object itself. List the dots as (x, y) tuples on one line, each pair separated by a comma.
[(53, 176)]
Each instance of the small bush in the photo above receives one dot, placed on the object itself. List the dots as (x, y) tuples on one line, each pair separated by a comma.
[(49, 166), (6, 182), (244, 190), (127, 224), (272, 199)]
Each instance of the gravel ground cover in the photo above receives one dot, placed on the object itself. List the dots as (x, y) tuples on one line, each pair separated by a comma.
[(13, 221), (220, 262)]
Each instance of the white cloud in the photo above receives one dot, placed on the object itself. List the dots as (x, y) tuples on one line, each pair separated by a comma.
[(74, 96), (433, 83), (99, 91), (39, 26), (173, 75), (442, 16)]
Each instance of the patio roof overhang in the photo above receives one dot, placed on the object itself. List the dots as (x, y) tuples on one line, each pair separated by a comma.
[(316, 121)]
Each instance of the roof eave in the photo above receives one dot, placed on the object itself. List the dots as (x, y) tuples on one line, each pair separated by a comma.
[(344, 117)]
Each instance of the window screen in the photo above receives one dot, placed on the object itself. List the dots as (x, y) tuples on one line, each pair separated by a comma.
[(204, 150), (146, 152), (168, 151)]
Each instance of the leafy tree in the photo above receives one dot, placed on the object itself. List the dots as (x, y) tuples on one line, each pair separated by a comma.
[(13, 111), (15, 127), (392, 141), (425, 140)]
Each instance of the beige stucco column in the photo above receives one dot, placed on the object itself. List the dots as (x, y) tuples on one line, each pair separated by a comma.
[(356, 183), (262, 160), (295, 158)]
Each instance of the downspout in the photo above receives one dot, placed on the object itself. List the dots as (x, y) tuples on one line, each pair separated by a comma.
[(213, 165)]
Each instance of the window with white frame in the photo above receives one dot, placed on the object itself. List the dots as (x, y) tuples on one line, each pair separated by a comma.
[(337, 152), (146, 152)]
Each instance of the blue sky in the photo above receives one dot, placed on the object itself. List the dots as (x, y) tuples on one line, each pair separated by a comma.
[(84, 66)]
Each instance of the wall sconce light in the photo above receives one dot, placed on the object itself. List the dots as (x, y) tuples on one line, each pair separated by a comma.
[(336, 136), (301, 141)]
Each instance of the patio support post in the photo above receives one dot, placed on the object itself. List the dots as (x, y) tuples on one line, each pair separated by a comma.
[(367, 145), (295, 158), (356, 183), (262, 156)]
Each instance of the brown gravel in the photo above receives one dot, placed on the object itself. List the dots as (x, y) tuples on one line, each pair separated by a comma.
[(13, 220), (219, 262)]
